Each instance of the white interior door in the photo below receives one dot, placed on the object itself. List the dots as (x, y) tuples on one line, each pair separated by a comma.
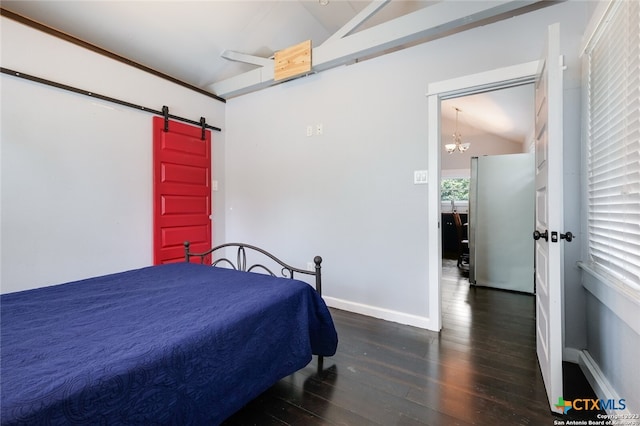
[(548, 217)]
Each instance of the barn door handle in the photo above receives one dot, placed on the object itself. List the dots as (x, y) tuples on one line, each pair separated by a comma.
[(537, 235)]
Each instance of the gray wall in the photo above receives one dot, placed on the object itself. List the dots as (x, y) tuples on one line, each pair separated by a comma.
[(613, 338), (77, 172), (349, 194)]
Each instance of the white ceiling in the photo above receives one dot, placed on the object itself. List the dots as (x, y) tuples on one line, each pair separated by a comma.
[(508, 113), (184, 39)]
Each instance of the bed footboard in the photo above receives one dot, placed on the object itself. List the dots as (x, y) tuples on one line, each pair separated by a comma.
[(241, 264)]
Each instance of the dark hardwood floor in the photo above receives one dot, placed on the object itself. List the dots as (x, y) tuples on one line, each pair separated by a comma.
[(481, 369)]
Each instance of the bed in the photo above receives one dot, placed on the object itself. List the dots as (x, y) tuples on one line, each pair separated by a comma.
[(181, 343)]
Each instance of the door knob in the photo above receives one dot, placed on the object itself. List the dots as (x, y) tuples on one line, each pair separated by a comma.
[(568, 236), (537, 235), (554, 237)]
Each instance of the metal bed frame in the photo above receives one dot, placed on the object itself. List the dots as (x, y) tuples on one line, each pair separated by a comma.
[(287, 271)]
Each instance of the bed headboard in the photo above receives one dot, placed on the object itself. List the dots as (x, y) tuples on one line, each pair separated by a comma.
[(241, 264)]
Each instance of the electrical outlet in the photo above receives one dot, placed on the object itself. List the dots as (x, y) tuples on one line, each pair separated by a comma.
[(309, 130), (311, 266)]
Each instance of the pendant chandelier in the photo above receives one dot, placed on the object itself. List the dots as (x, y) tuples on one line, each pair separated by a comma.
[(457, 144)]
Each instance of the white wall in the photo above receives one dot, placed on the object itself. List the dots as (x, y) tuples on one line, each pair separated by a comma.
[(76, 172), (349, 194)]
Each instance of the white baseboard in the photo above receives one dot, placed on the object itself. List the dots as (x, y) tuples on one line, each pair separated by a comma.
[(599, 382), (571, 355), (381, 313)]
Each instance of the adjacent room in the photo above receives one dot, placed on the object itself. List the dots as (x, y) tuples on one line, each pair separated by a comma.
[(452, 185)]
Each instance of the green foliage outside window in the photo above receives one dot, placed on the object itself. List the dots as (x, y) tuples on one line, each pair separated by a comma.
[(454, 189)]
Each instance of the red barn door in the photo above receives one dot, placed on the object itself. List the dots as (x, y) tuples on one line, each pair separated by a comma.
[(181, 190)]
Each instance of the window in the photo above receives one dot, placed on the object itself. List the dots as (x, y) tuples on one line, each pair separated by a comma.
[(454, 195), (613, 158), (456, 189)]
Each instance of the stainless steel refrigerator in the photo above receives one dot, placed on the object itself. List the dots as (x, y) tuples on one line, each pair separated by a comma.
[(501, 222)]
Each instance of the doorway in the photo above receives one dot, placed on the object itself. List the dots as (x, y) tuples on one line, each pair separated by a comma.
[(547, 75), (491, 181), (502, 78)]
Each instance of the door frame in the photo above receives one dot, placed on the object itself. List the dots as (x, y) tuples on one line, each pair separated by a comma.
[(500, 78)]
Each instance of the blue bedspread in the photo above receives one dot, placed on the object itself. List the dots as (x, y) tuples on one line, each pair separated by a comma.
[(172, 344)]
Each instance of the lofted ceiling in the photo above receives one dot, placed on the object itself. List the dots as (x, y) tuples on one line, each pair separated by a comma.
[(186, 39), (508, 113)]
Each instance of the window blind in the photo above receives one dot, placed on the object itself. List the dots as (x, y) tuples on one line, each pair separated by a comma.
[(613, 160)]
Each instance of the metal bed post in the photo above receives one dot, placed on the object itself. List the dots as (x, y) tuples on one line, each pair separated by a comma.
[(318, 260), (186, 251)]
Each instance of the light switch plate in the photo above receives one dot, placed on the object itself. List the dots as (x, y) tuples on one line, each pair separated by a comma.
[(420, 177)]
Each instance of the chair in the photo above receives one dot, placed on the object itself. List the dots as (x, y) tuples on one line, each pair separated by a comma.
[(463, 243)]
